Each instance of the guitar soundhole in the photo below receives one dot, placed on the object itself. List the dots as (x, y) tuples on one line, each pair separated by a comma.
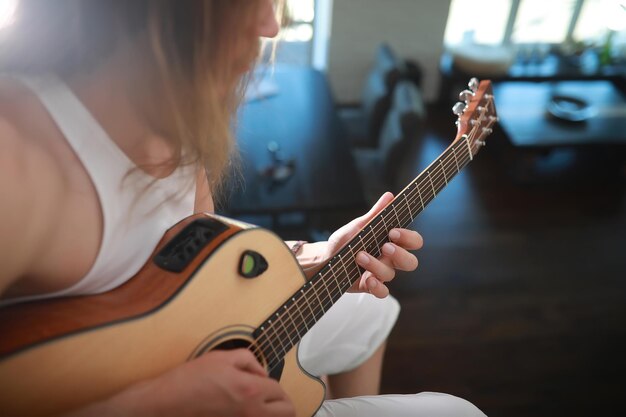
[(231, 344)]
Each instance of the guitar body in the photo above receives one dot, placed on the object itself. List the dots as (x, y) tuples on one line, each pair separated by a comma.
[(58, 355)]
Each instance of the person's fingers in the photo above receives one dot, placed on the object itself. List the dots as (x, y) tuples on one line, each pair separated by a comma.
[(245, 360), (408, 239), (260, 395), (398, 258), (376, 288), (280, 409), (377, 267), (271, 389)]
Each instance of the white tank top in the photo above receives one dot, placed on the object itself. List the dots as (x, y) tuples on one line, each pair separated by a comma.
[(136, 209)]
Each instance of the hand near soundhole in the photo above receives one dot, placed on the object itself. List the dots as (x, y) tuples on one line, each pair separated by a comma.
[(219, 383), (395, 254)]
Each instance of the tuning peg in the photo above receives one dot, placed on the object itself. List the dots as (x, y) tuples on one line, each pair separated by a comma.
[(473, 84), (466, 95), (459, 108)]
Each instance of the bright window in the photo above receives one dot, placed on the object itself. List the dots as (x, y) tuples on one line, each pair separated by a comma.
[(480, 21), (304, 41), (302, 13), (541, 21), (534, 21), (597, 16)]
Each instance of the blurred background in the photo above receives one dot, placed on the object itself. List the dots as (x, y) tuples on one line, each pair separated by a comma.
[(519, 303)]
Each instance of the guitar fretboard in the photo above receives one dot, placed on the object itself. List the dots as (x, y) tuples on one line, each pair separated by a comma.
[(289, 323)]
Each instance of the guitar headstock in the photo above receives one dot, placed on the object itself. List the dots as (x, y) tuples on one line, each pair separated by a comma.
[(476, 113)]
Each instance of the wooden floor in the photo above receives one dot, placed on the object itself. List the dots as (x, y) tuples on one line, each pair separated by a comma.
[(519, 302)]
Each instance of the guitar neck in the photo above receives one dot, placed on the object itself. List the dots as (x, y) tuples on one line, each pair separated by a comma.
[(293, 319), (289, 323)]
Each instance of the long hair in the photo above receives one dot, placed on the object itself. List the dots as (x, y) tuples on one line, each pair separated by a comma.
[(196, 50)]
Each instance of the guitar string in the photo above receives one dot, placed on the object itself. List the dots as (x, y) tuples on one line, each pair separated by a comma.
[(353, 266), (445, 162)]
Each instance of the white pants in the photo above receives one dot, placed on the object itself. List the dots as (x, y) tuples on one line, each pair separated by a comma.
[(424, 404), (348, 334)]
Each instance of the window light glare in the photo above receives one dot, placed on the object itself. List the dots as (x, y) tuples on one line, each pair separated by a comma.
[(616, 15), (301, 11), (7, 12)]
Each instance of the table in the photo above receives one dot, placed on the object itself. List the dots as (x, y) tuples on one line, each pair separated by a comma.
[(522, 109), (294, 129), (547, 149)]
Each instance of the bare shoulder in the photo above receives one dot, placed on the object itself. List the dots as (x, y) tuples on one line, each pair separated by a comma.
[(33, 189)]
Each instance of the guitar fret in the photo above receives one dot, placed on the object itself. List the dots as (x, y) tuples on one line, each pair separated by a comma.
[(295, 302), (408, 206), (451, 166), (455, 159), (278, 339), (431, 183), (443, 169), (269, 343), (279, 320), (334, 276), (373, 246), (343, 265), (396, 213), (469, 148), (363, 245), (288, 313), (420, 196), (314, 289), (308, 304), (382, 217), (330, 296)]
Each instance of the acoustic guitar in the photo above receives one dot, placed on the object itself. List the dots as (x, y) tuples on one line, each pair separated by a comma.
[(212, 283)]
